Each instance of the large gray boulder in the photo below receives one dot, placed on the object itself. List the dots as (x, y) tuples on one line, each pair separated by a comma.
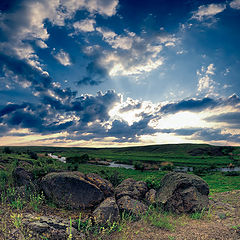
[(107, 212), (132, 188), (183, 193), (72, 189), (131, 206), (105, 186)]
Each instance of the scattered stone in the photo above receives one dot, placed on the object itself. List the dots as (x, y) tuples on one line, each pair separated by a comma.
[(105, 186), (132, 188), (183, 193), (53, 227), (131, 206), (106, 212), (72, 190), (151, 196)]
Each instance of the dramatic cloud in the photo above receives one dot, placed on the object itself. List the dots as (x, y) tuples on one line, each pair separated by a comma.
[(63, 57), (95, 74), (235, 4), (189, 105), (133, 54), (205, 12), (232, 118)]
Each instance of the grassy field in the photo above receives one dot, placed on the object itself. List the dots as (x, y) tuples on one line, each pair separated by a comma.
[(178, 154)]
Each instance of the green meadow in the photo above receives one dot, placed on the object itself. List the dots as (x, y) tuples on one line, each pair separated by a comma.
[(201, 157)]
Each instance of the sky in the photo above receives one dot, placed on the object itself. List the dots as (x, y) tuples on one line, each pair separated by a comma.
[(108, 73)]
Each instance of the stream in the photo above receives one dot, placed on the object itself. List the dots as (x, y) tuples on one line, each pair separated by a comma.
[(130, 166)]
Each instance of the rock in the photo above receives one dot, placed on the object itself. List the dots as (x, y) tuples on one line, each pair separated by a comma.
[(151, 196), (183, 193), (132, 188), (53, 227), (131, 206), (71, 189), (106, 212), (22, 177), (105, 186)]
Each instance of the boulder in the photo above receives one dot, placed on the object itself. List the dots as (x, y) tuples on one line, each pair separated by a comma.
[(105, 186), (71, 189), (183, 193), (131, 206), (132, 188), (151, 196), (22, 177), (106, 212)]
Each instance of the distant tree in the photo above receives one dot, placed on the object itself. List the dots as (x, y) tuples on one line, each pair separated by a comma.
[(7, 150)]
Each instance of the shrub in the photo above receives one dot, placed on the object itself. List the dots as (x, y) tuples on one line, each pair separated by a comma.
[(33, 155), (78, 159), (112, 176), (168, 167), (138, 166), (153, 182)]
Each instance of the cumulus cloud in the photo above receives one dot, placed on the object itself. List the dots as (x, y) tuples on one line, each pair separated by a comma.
[(62, 57), (206, 12), (235, 4), (205, 82), (117, 41), (95, 74), (132, 54), (24, 21), (86, 25), (41, 44)]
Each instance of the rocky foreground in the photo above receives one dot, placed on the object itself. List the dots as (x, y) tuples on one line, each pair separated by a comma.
[(191, 215)]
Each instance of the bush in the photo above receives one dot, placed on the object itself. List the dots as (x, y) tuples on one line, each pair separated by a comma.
[(138, 166), (200, 171), (153, 182), (168, 167), (112, 176), (78, 159), (33, 155)]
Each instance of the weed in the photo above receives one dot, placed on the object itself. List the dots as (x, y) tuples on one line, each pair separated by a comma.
[(36, 200), (158, 219), (171, 238), (198, 215), (69, 230), (235, 227), (17, 203), (17, 219)]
